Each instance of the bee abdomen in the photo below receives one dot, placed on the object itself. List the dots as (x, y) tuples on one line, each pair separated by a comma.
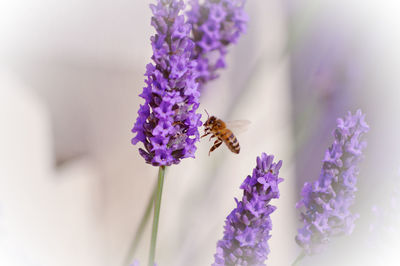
[(232, 142)]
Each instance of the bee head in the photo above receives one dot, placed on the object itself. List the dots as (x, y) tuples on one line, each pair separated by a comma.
[(210, 121)]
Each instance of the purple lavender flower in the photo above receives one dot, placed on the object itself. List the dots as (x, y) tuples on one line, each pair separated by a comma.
[(384, 230), (136, 263), (325, 203), (247, 227), (216, 24), (167, 122)]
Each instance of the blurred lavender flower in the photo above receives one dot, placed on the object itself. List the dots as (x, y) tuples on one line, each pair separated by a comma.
[(326, 202), (136, 263), (383, 238), (167, 122), (384, 227), (216, 24), (247, 226)]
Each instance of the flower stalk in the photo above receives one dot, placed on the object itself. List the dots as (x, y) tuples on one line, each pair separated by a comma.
[(139, 232), (299, 258), (157, 206)]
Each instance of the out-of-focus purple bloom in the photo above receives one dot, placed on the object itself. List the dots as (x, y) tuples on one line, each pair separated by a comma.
[(136, 263), (167, 122), (247, 227), (215, 25), (384, 226), (383, 237), (325, 203)]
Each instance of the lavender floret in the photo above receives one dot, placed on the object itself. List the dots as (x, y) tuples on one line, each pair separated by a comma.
[(167, 122), (248, 226), (216, 25), (325, 204)]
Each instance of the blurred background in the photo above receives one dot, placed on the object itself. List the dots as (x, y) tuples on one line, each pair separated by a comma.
[(72, 187)]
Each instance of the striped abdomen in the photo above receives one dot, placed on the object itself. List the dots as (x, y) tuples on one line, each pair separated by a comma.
[(230, 140)]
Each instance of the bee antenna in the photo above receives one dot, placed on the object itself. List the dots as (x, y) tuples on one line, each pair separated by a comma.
[(208, 116)]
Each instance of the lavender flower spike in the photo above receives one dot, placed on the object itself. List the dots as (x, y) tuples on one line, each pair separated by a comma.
[(325, 206), (167, 122), (247, 227), (216, 25)]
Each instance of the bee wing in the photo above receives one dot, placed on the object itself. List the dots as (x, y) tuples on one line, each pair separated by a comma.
[(238, 126)]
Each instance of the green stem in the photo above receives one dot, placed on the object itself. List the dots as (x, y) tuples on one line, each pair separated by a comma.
[(299, 258), (157, 205), (140, 230)]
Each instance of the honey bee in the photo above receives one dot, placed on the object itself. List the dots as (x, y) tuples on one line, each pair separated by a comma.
[(219, 129)]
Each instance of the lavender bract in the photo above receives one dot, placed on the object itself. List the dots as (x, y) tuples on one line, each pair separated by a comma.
[(216, 25), (325, 203), (247, 227), (167, 122)]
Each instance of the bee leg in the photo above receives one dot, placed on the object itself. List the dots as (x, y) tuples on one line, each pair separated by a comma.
[(217, 143), (178, 123), (206, 134), (212, 136)]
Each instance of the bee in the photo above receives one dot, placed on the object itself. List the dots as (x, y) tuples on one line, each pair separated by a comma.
[(219, 129)]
